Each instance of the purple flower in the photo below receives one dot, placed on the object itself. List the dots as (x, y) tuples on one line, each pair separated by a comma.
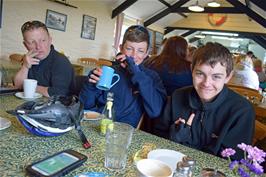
[(233, 164), (250, 165), (242, 146), (242, 172), (257, 168), (228, 152), (256, 155)]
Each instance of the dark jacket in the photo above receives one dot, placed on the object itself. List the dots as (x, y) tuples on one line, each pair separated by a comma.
[(54, 72), (133, 95), (223, 123)]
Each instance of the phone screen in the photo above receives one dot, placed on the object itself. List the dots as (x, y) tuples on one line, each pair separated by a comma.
[(55, 164)]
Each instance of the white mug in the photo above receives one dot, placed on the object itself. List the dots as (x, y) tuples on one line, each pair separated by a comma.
[(29, 86)]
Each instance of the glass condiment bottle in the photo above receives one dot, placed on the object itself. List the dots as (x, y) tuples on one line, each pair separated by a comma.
[(190, 162), (182, 170), (108, 114)]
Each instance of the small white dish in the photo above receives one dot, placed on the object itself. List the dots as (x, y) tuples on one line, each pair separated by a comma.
[(91, 115), (153, 168), (21, 95), (170, 157), (4, 123)]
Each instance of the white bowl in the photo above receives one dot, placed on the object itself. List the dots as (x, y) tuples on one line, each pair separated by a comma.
[(153, 168), (170, 157)]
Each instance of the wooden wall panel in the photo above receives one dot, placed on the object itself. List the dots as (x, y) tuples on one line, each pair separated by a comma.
[(234, 22)]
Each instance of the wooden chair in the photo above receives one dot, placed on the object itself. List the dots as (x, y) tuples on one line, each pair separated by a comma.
[(254, 96), (16, 58), (104, 62), (249, 93), (88, 61)]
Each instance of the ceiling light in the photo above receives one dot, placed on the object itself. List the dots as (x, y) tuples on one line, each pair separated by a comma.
[(220, 33), (227, 38), (196, 7), (214, 4), (199, 36)]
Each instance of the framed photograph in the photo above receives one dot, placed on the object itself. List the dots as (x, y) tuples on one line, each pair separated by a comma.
[(56, 20), (88, 27)]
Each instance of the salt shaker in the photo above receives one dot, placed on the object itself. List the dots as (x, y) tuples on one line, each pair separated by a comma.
[(182, 170), (190, 162)]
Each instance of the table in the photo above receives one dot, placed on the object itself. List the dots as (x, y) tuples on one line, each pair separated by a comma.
[(18, 148)]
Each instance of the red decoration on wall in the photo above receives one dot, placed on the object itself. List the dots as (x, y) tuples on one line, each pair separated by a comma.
[(216, 21)]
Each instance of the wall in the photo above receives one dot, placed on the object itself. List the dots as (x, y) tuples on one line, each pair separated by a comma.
[(16, 12)]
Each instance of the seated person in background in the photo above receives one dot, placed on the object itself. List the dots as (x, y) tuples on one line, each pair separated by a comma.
[(52, 70), (208, 116), (172, 64), (244, 74), (258, 67), (139, 89), (191, 51)]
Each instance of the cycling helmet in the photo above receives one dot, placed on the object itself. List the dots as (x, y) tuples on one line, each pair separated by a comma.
[(51, 117)]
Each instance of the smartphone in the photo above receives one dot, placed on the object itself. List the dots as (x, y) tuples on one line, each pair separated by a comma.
[(58, 164)]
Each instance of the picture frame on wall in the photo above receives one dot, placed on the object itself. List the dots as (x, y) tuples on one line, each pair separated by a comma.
[(56, 20), (88, 27)]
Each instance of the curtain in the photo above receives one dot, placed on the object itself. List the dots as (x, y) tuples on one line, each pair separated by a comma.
[(118, 28)]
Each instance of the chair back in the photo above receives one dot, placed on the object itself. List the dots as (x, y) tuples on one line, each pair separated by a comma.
[(88, 61), (16, 58), (251, 94), (78, 84), (104, 63)]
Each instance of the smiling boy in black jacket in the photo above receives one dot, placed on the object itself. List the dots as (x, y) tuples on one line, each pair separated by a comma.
[(209, 116)]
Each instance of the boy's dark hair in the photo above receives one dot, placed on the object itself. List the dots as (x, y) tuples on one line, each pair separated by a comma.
[(30, 25), (136, 33), (211, 54)]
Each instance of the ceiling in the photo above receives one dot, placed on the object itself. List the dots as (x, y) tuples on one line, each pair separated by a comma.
[(165, 13), (146, 9)]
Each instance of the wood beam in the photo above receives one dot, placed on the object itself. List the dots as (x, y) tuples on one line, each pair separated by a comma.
[(188, 33), (164, 12), (260, 3), (122, 7), (260, 40), (227, 10), (169, 6), (259, 19), (165, 3), (170, 28)]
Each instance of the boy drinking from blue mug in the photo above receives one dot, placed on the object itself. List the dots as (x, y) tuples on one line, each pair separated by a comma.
[(139, 89)]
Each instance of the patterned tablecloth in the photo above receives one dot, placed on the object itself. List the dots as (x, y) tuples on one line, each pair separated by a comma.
[(18, 148)]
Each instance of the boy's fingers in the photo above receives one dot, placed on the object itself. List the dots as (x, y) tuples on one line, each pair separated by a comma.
[(190, 119)]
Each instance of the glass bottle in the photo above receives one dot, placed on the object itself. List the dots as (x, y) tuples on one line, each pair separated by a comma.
[(182, 170), (190, 162), (108, 114)]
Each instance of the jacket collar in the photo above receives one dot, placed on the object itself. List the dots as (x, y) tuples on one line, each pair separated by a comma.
[(196, 103)]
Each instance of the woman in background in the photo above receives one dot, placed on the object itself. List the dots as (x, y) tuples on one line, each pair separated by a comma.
[(172, 64), (244, 74)]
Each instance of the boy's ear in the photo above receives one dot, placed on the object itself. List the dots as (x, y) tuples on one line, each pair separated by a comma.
[(229, 77)]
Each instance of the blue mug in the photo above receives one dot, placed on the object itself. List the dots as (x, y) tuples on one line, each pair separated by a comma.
[(105, 82)]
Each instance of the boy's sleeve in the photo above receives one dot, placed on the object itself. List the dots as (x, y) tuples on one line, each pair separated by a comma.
[(152, 91), (91, 97)]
